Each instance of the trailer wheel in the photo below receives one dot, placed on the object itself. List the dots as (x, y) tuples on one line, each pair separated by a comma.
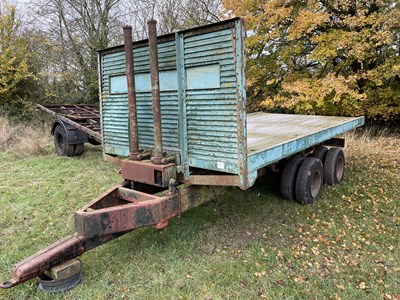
[(334, 166), (288, 177), (320, 153), (61, 142), (79, 149), (309, 180)]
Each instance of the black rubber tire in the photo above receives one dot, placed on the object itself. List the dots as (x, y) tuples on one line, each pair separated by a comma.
[(334, 168), (288, 178), (61, 142), (47, 284), (309, 181), (79, 149), (320, 153)]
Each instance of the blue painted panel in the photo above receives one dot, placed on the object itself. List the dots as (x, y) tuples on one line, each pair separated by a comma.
[(240, 70), (180, 64), (208, 97), (118, 84), (211, 101), (216, 164), (203, 77), (168, 82), (115, 106)]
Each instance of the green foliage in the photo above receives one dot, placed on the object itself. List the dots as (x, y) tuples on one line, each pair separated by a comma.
[(335, 57), (18, 85)]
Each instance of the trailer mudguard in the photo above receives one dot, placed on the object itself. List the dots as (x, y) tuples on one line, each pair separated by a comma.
[(73, 135)]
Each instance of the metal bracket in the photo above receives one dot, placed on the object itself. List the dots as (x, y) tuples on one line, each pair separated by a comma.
[(146, 172)]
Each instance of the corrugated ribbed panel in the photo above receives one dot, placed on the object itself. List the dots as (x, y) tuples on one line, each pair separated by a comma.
[(115, 105), (203, 89), (212, 112)]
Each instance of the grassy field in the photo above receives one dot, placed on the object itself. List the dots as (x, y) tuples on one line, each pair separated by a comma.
[(244, 245)]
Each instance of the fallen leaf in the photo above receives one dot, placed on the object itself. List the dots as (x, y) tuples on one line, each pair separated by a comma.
[(315, 251), (299, 279), (340, 287), (362, 285)]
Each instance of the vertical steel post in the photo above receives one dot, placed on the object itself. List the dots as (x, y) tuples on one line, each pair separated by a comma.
[(130, 75), (155, 92)]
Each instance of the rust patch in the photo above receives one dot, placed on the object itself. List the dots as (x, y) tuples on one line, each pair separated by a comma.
[(157, 175), (130, 75), (155, 92)]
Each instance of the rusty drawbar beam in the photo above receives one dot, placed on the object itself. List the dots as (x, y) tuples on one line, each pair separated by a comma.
[(116, 212), (155, 92), (130, 75), (55, 254)]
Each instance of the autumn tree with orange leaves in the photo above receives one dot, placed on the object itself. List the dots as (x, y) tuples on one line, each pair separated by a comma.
[(324, 57)]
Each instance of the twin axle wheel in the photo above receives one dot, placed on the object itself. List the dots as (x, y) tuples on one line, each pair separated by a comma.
[(309, 180), (302, 178)]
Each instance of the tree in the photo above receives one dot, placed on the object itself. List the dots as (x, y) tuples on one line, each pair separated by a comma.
[(201, 12), (172, 15), (16, 79), (62, 37), (76, 30), (335, 57)]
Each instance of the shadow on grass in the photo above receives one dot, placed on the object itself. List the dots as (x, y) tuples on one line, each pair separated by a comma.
[(231, 220)]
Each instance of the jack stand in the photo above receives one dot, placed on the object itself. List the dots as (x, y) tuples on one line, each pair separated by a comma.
[(61, 278)]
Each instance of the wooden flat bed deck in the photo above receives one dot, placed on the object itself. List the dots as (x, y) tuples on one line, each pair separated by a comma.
[(271, 137)]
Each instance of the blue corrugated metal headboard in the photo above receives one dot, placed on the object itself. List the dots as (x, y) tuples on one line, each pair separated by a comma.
[(202, 85)]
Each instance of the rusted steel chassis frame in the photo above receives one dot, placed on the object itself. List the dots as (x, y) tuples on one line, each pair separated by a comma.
[(116, 212)]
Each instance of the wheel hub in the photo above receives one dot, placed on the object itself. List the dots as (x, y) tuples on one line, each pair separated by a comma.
[(339, 169), (316, 183)]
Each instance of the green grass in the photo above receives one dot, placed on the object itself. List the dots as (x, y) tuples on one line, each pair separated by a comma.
[(244, 245)]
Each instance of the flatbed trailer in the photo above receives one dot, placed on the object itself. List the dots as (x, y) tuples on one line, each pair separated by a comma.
[(73, 126), (173, 112)]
